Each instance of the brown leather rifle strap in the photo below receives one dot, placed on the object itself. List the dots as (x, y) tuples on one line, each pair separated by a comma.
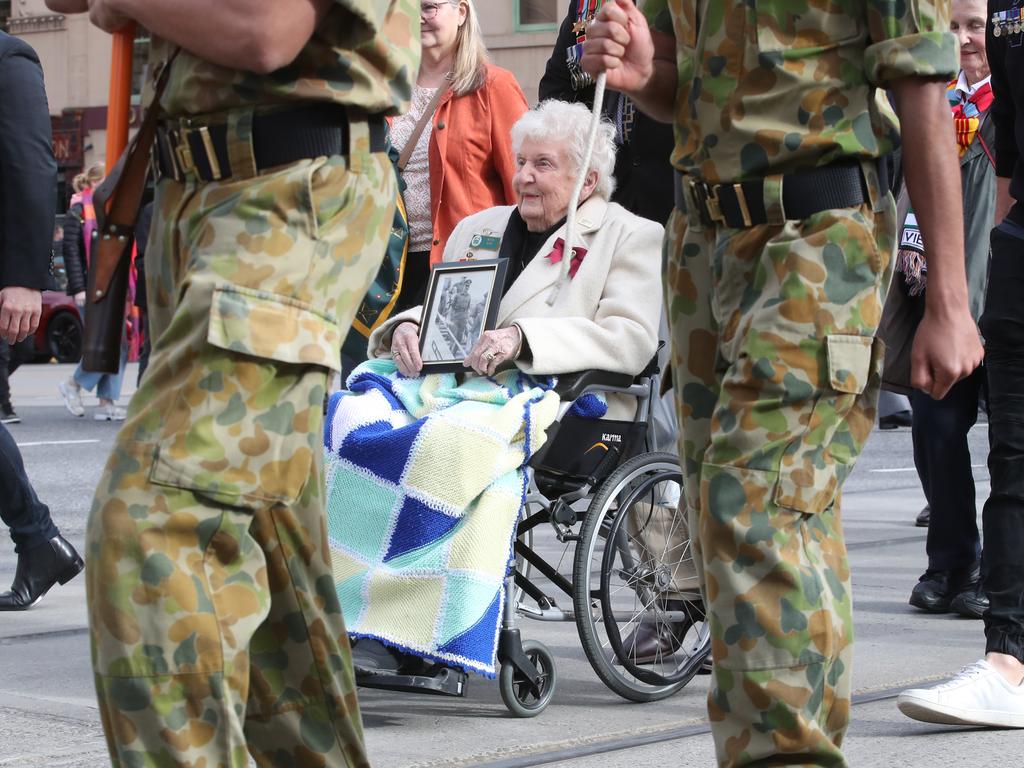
[(118, 199)]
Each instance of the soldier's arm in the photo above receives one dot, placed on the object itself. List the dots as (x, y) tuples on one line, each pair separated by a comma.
[(253, 35), (946, 346), (638, 60)]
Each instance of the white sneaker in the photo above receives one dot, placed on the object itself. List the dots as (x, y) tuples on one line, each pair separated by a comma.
[(72, 394), (109, 413), (978, 695)]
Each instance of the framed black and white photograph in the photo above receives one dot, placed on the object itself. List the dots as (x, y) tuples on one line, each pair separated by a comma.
[(462, 302)]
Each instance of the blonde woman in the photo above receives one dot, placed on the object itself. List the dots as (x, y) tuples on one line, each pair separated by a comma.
[(78, 232), (461, 162)]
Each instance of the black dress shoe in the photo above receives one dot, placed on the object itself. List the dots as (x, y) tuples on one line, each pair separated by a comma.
[(971, 603), (924, 517), (39, 569), (657, 640), (935, 590), (898, 419)]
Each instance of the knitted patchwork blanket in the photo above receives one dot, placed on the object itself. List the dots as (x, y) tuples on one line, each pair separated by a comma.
[(425, 481)]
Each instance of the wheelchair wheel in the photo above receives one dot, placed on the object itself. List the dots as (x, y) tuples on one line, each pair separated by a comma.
[(633, 563), (519, 693)]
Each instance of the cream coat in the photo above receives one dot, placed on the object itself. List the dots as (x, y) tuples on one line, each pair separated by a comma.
[(605, 318)]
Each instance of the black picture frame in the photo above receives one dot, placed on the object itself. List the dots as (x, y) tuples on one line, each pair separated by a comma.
[(451, 323)]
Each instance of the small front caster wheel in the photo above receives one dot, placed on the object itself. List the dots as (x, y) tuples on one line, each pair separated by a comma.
[(525, 697)]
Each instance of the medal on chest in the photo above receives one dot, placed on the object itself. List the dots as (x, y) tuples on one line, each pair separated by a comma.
[(1008, 22), (585, 12)]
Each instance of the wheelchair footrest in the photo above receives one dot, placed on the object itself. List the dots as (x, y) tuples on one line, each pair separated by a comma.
[(447, 682)]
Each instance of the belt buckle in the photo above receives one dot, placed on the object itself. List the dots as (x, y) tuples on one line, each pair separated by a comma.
[(711, 203), (699, 196), (181, 152)]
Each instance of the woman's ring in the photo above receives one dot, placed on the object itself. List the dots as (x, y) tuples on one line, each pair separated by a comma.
[(396, 354), (489, 355)]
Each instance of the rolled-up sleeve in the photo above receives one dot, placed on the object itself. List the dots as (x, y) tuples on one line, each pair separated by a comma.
[(909, 38)]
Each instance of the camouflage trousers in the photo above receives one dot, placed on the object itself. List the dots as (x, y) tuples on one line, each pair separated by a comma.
[(216, 630), (776, 373)]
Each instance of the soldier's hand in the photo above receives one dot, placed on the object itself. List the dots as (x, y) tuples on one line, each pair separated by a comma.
[(20, 309), (619, 43), (946, 350), (405, 349), (106, 15)]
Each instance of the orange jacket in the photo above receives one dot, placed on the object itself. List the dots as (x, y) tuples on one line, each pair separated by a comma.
[(471, 162)]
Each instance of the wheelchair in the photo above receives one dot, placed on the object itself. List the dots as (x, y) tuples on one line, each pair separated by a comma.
[(613, 546)]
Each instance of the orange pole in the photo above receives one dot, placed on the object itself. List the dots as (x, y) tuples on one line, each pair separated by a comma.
[(119, 103)]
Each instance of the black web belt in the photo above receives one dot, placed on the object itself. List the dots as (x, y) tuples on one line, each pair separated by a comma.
[(739, 205), (278, 138)]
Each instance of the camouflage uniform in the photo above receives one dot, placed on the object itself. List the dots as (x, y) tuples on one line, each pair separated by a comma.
[(776, 368), (215, 625)]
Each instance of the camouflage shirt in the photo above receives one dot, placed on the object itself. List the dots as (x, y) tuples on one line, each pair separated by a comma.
[(771, 86), (364, 54)]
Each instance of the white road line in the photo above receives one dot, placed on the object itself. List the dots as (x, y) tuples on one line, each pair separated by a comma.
[(56, 442), (914, 469)]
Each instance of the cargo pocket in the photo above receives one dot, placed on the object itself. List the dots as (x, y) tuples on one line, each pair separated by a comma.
[(815, 464), (245, 425)]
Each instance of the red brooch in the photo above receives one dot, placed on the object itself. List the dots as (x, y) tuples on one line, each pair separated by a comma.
[(578, 254)]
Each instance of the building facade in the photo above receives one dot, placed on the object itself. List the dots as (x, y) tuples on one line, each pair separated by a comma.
[(76, 63), (520, 35)]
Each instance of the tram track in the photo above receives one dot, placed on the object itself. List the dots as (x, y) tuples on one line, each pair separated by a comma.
[(580, 749)]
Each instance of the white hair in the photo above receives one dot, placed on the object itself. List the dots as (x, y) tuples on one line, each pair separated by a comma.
[(568, 124)]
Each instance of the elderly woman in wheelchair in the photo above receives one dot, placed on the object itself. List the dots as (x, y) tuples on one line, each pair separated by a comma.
[(422, 553)]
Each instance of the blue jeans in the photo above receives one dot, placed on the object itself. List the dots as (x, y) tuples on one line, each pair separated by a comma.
[(1002, 563), (107, 385), (22, 512)]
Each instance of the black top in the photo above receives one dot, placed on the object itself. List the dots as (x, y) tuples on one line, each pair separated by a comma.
[(643, 170), (519, 245), (74, 250), (28, 172), (1006, 60)]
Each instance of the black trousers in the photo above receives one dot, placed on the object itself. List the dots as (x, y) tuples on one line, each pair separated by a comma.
[(414, 281), (943, 462), (1003, 517), (27, 518), (5, 364)]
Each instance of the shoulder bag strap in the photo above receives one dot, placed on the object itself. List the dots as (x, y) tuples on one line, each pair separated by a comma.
[(428, 114), (981, 139)]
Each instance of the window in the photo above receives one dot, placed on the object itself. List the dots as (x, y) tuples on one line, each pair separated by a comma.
[(539, 13)]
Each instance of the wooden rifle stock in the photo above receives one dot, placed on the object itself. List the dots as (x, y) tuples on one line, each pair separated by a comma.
[(117, 201)]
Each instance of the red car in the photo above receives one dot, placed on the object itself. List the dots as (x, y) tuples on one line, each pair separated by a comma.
[(60, 329), (59, 334)]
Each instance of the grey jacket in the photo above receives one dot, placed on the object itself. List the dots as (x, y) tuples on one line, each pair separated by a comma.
[(902, 313)]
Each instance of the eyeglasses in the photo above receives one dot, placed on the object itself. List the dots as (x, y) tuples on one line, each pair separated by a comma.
[(429, 10)]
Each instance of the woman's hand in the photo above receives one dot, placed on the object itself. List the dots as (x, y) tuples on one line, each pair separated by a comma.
[(494, 348), (405, 349)]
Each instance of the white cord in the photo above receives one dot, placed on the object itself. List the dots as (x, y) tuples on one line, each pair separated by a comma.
[(574, 200)]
